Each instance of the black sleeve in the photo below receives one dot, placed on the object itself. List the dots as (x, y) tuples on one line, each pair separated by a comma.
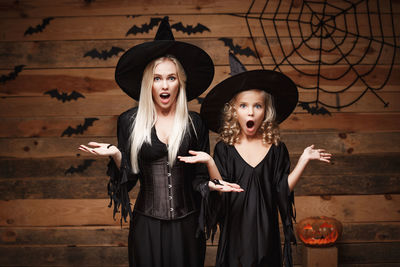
[(207, 216), (285, 199), (220, 158), (122, 180)]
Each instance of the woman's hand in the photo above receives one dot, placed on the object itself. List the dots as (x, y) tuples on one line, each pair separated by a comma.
[(100, 149), (198, 157), (224, 186), (316, 154)]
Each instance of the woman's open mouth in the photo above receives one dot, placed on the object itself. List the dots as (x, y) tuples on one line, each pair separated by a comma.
[(164, 97)]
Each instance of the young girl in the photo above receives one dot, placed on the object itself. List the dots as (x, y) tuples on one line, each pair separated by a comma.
[(165, 221), (251, 154)]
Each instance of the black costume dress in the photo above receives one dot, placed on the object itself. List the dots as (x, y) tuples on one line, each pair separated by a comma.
[(249, 224), (167, 223)]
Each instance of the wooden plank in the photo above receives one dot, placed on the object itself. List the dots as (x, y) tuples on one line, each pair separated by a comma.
[(95, 187), (117, 236), (346, 124), (79, 212), (221, 25), (279, 51), (334, 142), (369, 254), (56, 212), (56, 187), (39, 8), (94, 105), (56, 167), (63, 256), (349, 184), (88, 166), (106, 126), (100, 81)]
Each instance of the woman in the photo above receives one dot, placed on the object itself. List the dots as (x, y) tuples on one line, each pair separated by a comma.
[(171, 206)]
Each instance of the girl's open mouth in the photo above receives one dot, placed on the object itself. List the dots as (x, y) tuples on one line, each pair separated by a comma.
[(250, 124)]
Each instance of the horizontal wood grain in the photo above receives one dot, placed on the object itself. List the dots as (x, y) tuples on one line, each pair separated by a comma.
[(335, 142), (278, 51), (114, 105), (115, 236), (221, 25), (40, 8), (341, 164), (82, 212), (68, 187), (379, 253), (100, 81), (364, 124)]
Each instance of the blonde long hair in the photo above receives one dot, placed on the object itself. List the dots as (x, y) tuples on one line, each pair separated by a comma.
[(147, 116), (231, 130)]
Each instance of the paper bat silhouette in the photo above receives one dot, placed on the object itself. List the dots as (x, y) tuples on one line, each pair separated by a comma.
[(86, 164), (145, 27), (80, 128), (104, 54), (314, 110), (39, 27), (237, 49), (189, 29), (64, 96), (11, 75)]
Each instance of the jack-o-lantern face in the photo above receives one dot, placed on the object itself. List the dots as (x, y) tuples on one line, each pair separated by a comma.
[(319, 231)]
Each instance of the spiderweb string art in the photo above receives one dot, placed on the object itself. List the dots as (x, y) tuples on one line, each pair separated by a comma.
[(338, 50)]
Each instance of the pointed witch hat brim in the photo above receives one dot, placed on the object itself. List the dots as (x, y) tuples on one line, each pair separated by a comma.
[(198, 65), (282, 89)]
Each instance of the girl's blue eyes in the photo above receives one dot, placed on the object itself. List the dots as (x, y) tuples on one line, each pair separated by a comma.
[(258, 106)]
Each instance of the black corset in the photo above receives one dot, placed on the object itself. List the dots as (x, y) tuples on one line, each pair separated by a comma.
[(165, 193)]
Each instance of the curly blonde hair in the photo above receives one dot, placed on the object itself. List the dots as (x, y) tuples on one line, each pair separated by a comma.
[(269, 130)]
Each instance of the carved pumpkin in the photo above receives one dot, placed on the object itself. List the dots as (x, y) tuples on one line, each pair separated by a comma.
[(319, 231)]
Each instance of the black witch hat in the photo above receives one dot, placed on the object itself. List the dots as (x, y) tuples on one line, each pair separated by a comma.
[(196, 62), (282, 89)]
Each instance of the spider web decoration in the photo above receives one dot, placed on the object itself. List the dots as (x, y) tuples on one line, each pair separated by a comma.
[(338, 45)]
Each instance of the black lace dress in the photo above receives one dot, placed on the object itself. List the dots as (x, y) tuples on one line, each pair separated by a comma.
[(249, 222)]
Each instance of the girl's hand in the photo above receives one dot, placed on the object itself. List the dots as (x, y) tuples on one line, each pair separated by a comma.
[(224, 186), (316, 154), (198, 157), (100, 149)]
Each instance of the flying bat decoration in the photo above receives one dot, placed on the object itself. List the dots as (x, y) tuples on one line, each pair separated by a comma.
[(104, 54), (237, 49), (189, 29), (314, 110), (39, 27), (11, 75), (144, 28), (80, 128), (86, 164), (64, 96)]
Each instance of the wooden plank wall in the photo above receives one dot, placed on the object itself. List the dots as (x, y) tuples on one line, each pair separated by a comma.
[(53, 201)]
